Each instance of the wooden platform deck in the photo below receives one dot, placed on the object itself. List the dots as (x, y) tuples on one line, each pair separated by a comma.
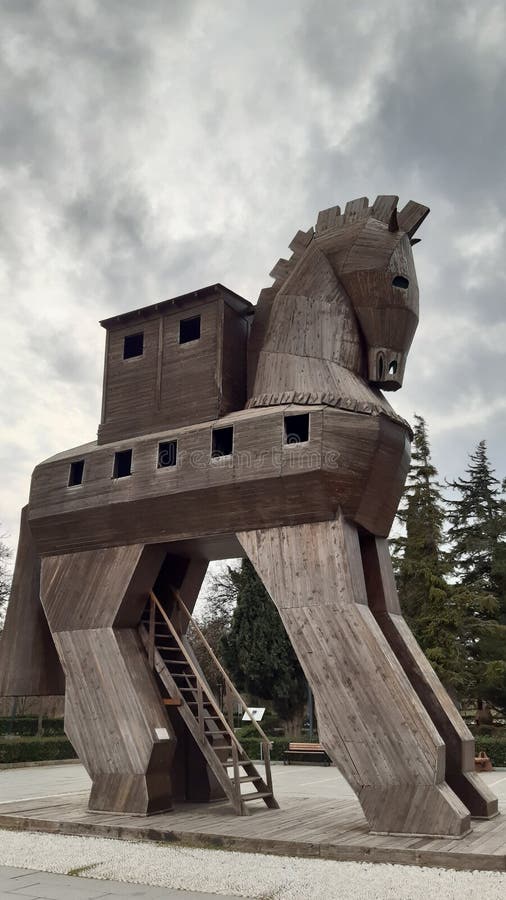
[(309, 827)]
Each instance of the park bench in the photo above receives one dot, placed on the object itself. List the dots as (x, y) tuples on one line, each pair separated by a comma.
[(300, 752)]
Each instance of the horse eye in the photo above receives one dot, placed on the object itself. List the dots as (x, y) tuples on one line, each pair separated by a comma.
[(400, 281)]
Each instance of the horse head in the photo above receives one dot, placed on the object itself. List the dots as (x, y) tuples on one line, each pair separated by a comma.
[(369, 249)]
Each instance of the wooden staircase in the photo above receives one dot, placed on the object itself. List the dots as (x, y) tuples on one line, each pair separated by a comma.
[(183, 686)]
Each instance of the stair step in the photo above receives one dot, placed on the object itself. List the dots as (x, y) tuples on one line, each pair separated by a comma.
[(191, 704), (244, 778), (242, 762), (256, 795), (172, 662)]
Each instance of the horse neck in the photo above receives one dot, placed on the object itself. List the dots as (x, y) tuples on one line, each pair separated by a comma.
[(312, 316)]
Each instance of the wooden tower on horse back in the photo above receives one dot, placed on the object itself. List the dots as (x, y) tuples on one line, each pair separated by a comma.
[(232, 430)]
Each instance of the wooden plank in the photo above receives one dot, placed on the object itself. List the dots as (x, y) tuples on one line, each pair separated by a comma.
[(306, 828)]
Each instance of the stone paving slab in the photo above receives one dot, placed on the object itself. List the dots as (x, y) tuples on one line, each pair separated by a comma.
[(36, 885)]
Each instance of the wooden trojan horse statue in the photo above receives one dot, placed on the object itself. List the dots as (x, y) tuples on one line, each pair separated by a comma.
[(300, 466)]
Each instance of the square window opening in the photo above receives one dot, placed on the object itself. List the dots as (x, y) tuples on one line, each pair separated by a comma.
[(133, 345), (189, 330), (122, 464), (167, 454), (76, 472), (223, 442), (297, 429)]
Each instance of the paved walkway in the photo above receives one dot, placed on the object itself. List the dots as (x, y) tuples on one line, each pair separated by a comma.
[(46, 886)]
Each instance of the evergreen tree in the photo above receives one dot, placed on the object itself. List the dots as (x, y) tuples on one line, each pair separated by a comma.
[(214, 622), (4, 580), (258, 653), (417, 555), (436, 612), (478, 540)]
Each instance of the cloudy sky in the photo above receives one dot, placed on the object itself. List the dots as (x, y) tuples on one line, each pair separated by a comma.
[(148, 149)]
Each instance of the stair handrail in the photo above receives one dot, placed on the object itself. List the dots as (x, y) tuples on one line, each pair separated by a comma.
[(228, 681), (236, 745), (200, 681)]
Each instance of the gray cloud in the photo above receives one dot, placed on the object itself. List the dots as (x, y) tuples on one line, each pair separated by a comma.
[(149, 149)]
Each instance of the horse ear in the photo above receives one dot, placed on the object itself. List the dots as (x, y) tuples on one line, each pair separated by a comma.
[(412, 216)]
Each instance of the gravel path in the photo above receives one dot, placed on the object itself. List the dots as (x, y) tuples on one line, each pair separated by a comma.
[(241, 874)]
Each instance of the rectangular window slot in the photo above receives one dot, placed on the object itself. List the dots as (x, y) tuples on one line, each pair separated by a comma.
[(76, 472), (122, 464), (297, 429), (133, 345), (189, 330), (167, 454), (223, 442)]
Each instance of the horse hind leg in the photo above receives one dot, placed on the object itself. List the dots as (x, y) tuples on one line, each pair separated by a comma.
[(29, 664), (371, 721), (384, 604)]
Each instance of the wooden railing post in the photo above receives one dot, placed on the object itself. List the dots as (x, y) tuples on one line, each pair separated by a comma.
[(229, 703), (200, 710), (267, 763), (229, 707), (151, 645)]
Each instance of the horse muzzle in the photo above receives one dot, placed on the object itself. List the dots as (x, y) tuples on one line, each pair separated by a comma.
[(386, 368)]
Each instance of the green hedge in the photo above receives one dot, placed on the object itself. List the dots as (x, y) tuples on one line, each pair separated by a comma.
[(252, 747), (495, 747), (29, 749), (28, 726)]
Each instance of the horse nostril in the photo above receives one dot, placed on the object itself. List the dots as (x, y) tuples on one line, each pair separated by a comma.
[(392, 369), (400, 281)]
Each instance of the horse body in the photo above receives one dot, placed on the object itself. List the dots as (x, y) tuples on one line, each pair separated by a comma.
[(328, 337)]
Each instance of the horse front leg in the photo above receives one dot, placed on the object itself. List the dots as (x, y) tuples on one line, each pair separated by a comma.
[(460, 748), (114, 713), (371, 721)]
